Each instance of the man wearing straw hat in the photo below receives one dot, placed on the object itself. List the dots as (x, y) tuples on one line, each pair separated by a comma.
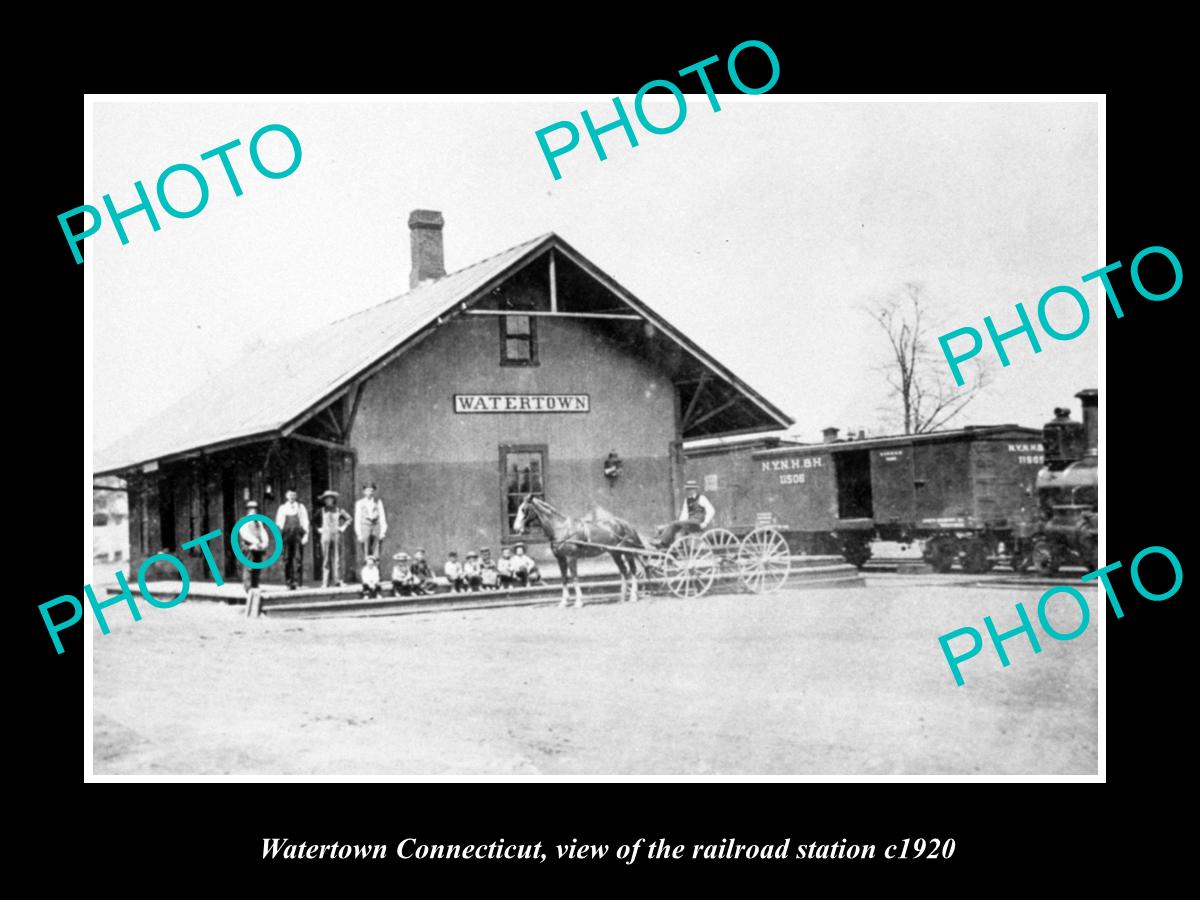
[(694, 515), (332, 521), (472, 572)]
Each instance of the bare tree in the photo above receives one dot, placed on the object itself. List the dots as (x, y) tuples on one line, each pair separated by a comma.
[(918, 377)]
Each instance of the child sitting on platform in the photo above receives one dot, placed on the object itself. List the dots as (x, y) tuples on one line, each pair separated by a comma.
[(504, 568), (488, 573), (370, 579), (421, 572), (524, 569), (472, 572), (403, 580), (454, 573)]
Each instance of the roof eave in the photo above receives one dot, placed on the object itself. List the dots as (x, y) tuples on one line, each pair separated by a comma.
[(627, 296), (126, 469)]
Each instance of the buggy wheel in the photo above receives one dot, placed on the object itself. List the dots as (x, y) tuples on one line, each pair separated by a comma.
[(725, 546), (764, 560), (653, 571), (689, 567)]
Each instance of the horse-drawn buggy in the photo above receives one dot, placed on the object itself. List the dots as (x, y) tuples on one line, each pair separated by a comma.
[(689, 566)]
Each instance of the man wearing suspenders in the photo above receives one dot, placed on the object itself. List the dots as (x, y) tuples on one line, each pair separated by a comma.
[(695, 515), (292, 519)]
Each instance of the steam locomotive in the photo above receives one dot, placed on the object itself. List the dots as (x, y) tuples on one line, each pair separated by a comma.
[(1065, 529)]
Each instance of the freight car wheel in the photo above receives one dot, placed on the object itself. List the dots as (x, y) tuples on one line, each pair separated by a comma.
[(975, 558), (689, 567), (1045, 557), (940, 554), (856, 553), (764, 560), (1020, 561)]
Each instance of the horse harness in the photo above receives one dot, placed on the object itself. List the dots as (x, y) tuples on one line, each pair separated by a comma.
[(555, 546)]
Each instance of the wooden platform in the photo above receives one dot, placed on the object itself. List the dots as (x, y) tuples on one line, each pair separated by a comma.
[(597, 587), (601, 588)]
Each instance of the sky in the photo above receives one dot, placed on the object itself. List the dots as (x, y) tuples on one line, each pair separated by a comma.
[(761, 231)]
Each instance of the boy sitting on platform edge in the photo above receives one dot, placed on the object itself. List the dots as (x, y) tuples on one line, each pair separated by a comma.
[(421, 571), (504, 568), (489, 574), (403, 580), (370, 578), (471, 571), (524, 569), (454, 573)]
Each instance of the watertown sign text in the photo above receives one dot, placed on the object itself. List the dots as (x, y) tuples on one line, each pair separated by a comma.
[(522, 403)]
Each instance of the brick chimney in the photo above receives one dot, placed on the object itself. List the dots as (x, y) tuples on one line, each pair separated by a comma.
[(425, 227), (829, 435)]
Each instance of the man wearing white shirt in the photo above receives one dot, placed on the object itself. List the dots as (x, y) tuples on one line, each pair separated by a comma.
[(292, 519), (695, 515), (524, 569), (370, 523), (253, 540)]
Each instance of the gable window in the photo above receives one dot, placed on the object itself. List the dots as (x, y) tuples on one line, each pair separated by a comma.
[(523, 472), (518, 341)]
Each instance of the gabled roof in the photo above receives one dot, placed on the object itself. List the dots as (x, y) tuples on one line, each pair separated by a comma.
[(272, 389)]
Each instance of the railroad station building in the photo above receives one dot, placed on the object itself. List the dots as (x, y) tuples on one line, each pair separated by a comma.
[(531, 371)]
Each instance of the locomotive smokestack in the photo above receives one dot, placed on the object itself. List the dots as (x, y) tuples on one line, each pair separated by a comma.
[(1091, 417)]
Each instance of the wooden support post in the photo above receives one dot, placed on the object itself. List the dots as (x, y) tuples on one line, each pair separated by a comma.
[(712, 412), (334, 424), (687, 416), (553, 284), (318, 442), (358, 392)]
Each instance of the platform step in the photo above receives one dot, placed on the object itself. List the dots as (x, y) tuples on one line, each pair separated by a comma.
[(310, 604)]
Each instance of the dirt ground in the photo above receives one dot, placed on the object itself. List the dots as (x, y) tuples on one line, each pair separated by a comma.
[(808, 681)]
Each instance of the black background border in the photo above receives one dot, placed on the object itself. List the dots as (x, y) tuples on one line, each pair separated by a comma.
[(216, 831)]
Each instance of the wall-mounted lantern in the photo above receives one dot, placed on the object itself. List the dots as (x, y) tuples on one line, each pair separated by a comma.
[(612, 467)]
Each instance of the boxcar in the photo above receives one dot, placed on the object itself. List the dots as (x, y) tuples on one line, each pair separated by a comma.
[(961, 492)]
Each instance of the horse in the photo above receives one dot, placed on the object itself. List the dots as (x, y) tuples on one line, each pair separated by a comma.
[(565, 531)]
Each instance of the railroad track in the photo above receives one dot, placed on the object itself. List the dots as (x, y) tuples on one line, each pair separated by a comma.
[(997, 578)]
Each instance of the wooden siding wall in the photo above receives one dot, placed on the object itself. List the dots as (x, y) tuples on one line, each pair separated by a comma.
[(438, 470)]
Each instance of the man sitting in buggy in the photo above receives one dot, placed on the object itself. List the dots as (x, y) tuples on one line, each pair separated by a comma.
[(695, 515)]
